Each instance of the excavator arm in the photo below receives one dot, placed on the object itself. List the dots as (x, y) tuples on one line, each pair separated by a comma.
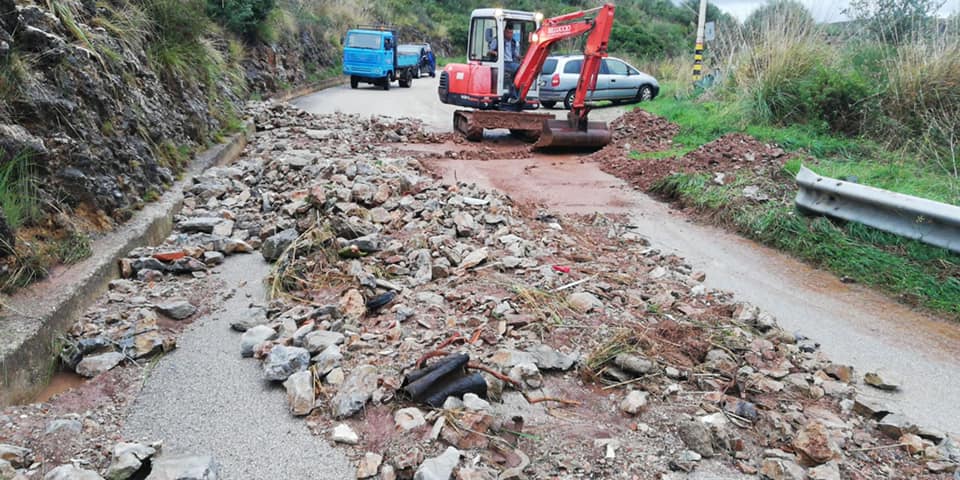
[(597, 22)]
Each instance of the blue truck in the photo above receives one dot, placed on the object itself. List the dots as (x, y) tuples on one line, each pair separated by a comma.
[(371, 55)]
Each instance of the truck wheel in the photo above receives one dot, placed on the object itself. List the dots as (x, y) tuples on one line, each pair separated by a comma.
[(354, 81), (386, 83), (407, 79)]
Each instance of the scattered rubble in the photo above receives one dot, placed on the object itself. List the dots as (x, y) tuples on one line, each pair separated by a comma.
[(437, 330)]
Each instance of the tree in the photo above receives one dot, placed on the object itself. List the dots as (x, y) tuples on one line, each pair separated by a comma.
[(240, 16), (779, 15), (894, 21)]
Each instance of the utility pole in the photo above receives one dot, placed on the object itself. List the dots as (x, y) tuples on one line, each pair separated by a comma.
[(698, 51)]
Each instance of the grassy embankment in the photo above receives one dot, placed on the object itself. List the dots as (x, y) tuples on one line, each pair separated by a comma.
[(884, 114)]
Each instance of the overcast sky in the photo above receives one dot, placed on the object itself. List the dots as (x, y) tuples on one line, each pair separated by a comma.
[(823, 10)]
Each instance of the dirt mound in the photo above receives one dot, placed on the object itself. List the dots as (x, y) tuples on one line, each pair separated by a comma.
[(727, 154), (638, 131)]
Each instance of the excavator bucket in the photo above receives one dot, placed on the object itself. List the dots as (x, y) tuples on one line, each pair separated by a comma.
[(565, 133)]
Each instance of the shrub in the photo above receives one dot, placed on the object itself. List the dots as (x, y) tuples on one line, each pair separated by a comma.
[(19, 192), (240, 16)]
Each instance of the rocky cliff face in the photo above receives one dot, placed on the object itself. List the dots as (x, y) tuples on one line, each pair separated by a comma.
[(99, 123), (104, 129)]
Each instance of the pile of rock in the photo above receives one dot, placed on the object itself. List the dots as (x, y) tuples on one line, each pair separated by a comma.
[(390, 268), (598, 355), (127, 461)]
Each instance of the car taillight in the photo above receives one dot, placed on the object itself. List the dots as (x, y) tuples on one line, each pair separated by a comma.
[(555, 80)]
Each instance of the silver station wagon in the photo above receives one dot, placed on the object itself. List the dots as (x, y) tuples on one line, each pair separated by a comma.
[(618, 81)]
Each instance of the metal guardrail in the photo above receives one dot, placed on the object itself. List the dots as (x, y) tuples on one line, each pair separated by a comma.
[(925, 220)]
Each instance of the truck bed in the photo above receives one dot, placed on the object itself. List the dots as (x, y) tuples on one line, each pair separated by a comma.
[(407, 59)]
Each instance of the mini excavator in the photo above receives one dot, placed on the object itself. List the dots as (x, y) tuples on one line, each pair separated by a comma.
[(499, 101)]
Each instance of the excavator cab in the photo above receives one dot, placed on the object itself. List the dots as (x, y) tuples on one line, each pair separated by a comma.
[(487, 40), (485, 81), (499, 89)]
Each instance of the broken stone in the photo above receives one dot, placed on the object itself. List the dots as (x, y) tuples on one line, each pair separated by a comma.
[(253, 337), (634, 364), (184, 468), (369, 465), (69, 472), (634, 402), (327, 360), (547, 358), (63, 425), (320, 340), (127, 459), (781, 469), (352, 305), (465, 224), (275, 245), (409, 418), (473, 402), (814, 445), (300, 393), (439, 468), (199, 224), (697, 437), (473, 435), (870, 407), (475, 258), (18, 457), (283, 361), (355, 391), (827, 471), (584, 302), (526, 374), (896, 425), (342, 433), (94, 365), (880, 381)]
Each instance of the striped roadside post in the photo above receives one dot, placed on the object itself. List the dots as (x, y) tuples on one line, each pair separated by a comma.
[(698, 52)]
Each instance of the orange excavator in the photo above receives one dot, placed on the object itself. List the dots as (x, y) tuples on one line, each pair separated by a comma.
[(499, 101)]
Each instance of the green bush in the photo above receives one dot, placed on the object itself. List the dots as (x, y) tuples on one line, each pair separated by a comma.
[(240, 16)]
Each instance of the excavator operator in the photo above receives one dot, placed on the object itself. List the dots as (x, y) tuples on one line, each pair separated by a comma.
[(511, 59)]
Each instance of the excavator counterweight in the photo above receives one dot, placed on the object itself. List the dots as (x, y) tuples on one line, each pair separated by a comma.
[(476, 84)]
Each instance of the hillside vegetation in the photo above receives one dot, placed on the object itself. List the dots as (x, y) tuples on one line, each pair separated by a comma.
[(874, 101)]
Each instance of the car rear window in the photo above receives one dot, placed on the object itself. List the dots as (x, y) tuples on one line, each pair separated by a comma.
[(549, 66), (573, 66)]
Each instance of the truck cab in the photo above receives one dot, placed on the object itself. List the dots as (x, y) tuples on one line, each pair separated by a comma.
[(370, 55)]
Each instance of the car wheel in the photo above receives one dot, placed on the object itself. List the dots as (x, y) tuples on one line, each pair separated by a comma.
[(644, 94), (548, 103), (568, 100)]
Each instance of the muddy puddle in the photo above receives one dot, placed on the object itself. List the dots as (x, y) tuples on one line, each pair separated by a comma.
[(564, 182), (62, 381)]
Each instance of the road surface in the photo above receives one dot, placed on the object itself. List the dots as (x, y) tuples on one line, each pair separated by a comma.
[(854, 325), (204, 399)]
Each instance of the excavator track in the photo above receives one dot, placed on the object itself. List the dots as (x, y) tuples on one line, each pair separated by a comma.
[(472, 123)]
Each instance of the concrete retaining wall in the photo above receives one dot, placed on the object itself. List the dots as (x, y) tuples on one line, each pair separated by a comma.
[(32, 320)]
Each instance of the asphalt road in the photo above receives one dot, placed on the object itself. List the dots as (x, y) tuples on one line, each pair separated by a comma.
[(854, 325), (204, 399)]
